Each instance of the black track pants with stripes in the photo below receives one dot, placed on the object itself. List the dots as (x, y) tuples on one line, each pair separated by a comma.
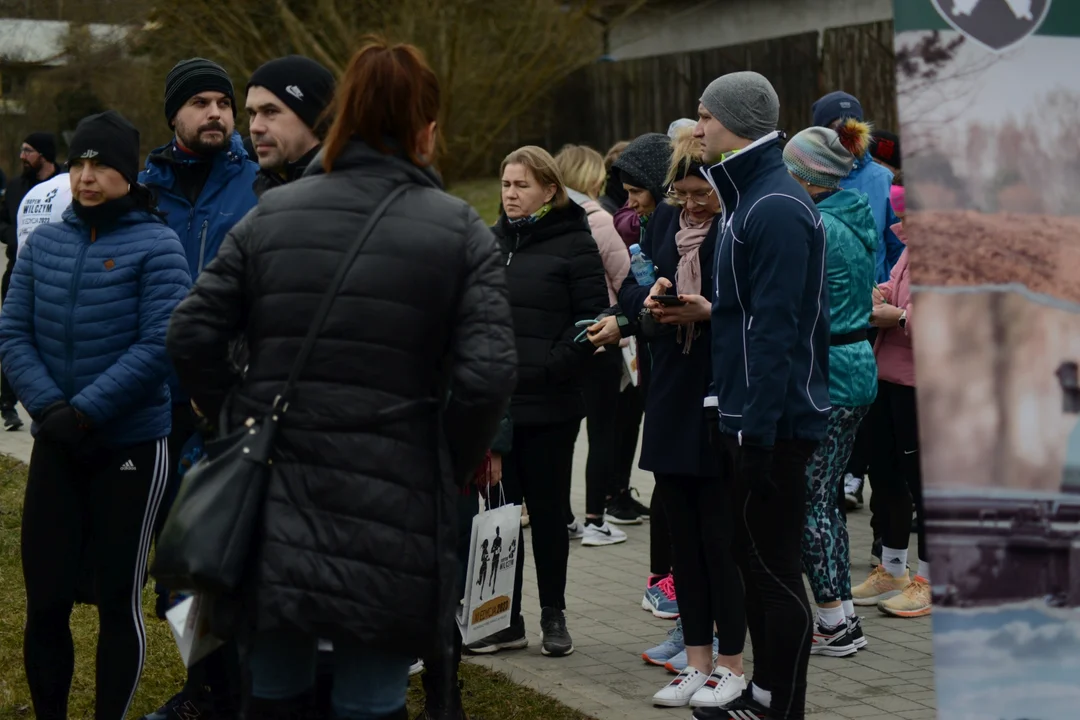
[(102, 515)]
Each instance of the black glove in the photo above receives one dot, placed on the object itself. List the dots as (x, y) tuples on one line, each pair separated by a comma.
[(755, 467), (63, 425)]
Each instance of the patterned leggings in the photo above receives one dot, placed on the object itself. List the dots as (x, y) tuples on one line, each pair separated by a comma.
[(826, 553)]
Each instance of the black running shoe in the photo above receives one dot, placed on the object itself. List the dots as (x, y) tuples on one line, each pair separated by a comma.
[(833, 641), (620, 511), (858, 637), (184, 706), (553, 633), (512, 638), (11, 418), (632, 496), (743, 708)]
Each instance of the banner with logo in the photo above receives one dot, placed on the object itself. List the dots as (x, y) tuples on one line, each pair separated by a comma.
[(989, 97)]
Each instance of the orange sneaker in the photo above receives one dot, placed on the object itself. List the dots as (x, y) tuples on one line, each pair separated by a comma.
[(915, 601), (881, 585)]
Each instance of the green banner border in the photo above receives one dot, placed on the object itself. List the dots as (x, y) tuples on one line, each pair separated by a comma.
[(1063, 20)]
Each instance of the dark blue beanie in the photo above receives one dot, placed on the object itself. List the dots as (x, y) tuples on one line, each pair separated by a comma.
[(834, 106)]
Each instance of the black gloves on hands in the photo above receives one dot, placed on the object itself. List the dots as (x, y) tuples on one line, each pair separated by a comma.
[(65, 426)]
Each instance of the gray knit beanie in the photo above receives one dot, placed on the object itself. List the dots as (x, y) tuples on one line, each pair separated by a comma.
[(817, 156), (744, 102)]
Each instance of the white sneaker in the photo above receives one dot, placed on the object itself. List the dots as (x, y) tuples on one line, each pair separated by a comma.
[(597, 535), (678, 692), (416, 668), (576, 530), (720, 688)]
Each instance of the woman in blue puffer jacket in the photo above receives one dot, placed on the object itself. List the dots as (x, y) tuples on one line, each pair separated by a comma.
[(82, 340)]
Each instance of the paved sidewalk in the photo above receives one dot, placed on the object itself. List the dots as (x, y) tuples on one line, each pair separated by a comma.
[(892, 679)]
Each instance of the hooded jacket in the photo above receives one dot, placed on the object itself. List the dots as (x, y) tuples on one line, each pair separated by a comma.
[(85, 321), (396, 407), (556, 278), (225, 199), (851, 241), (771, 313), (875, 181)]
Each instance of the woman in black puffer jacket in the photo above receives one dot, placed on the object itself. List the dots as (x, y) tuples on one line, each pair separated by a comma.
[(556, 279), (397, 405)]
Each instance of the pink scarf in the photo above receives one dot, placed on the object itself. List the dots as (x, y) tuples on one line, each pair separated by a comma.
[(688, 275)]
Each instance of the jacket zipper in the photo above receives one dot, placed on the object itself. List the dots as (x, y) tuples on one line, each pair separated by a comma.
[(202, 244), (517, 241), (69, 322)]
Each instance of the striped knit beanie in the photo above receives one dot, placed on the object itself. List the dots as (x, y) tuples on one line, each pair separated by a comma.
[(817, 156), (190, 77)]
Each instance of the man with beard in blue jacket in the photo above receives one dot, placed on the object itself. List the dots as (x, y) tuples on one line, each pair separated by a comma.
[(203, 180), (770, 325)]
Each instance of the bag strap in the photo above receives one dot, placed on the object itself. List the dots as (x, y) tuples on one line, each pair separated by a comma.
[(281, 402)]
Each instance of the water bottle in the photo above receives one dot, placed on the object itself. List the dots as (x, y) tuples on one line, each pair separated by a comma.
[(642, 267)]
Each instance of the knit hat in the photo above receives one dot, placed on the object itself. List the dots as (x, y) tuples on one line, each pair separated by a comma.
[(191, 77), (835, 106), (108, 138), (745, 103), (304, 85), (886, 148), (44, 143), (817, 156), (644, 163)]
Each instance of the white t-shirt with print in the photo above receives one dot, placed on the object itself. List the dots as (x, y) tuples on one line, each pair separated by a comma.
[(45, 203)]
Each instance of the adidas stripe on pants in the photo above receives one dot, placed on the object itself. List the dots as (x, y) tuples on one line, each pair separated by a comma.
[(82, 521)]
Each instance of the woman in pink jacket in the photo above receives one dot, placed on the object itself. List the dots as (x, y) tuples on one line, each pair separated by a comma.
[(894, 462), (584, 174)]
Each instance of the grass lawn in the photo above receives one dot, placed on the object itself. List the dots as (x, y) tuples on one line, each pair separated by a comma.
[(492, 696), (484, 195)]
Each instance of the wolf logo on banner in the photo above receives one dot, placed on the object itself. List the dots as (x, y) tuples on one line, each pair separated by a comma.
[(996, 24)]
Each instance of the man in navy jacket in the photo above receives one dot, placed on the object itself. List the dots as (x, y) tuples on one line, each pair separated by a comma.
[(770, 325), (203, 181)]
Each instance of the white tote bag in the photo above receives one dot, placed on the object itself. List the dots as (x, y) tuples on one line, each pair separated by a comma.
[(189, 627), (489, 583)]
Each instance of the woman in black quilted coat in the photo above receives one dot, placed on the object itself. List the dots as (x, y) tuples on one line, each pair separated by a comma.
[(395, 408), (556, 279)]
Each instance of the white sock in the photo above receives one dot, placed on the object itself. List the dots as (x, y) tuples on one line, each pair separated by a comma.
[(924, 570), (895, 561), (762, 696), (849, 608), (831, 617)]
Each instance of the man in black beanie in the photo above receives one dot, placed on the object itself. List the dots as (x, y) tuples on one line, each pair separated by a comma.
[(286, 101), (203, 182), (38, 156)]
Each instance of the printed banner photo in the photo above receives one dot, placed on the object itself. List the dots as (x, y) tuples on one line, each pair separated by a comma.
[(989, 103)]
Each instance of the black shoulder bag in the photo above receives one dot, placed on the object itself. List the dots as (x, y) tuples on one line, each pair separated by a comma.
[(206, 541)]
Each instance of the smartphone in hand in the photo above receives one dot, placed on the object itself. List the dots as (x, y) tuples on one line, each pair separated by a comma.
[(668, 300)]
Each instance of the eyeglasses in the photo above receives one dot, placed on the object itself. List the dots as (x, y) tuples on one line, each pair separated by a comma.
[(700, 198)]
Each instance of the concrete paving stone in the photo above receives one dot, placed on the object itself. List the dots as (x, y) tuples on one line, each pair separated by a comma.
[(861, 710), (895, 704), (925, 714)]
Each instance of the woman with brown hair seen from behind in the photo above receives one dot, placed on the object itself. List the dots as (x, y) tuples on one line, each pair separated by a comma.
[(556, 279), (583, 171), (395, 407)]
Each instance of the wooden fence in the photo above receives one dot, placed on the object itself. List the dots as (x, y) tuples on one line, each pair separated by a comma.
[(607, 102)]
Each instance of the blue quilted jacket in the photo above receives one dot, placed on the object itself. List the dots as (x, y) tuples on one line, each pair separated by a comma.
[(85, 321)]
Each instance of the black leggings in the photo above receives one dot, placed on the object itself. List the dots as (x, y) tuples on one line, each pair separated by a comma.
[(660, 550), (706, 577), (895, 466), (770, 514), (538, 470), (601, 391), (631, 410), (112, 507)]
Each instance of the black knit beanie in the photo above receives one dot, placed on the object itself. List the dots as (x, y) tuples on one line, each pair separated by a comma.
[(44, 143), (191, 77), (304, 85), (108, 138)]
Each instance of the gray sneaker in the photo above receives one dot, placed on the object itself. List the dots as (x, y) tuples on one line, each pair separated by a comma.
[(512, 638)]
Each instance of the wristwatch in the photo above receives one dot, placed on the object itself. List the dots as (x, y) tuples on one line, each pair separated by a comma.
[(902, 322)]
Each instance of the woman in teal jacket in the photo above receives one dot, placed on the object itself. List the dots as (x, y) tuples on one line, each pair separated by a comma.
[(820, 159)]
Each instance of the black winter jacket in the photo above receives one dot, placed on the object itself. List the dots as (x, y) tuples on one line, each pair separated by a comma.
[(556, 278), (358, 537)]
